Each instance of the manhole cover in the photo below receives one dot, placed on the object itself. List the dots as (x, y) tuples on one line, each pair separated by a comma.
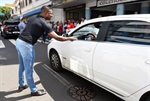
[(81, 93)]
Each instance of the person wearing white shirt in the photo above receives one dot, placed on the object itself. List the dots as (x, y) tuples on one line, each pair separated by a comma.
[(21, 25), (83, 19)]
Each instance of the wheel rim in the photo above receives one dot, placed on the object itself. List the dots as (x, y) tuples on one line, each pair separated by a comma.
[(54, 60)]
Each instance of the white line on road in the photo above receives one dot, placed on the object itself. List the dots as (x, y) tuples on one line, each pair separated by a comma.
[(1, 44), (12, 41), (55, 74)]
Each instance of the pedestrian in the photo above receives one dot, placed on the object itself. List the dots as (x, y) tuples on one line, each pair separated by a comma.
[(70, 26), (60, 28), (83, 19), (21, 25), (34, 29)]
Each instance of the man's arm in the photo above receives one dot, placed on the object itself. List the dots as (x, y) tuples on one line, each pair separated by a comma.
[(60, 38)]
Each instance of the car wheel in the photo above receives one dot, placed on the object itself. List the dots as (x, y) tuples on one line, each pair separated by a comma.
[(55, 61), (146, 97)]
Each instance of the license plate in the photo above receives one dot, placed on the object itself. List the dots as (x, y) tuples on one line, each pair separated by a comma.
[(15, 32)]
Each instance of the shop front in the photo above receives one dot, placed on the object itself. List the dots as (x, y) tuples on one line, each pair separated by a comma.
[(120, 7), (75, 12), (72, 9)]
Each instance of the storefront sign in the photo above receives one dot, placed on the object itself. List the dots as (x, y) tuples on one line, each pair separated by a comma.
[(110, 2), (57, 2)]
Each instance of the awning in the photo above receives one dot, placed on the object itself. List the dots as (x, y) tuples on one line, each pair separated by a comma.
[(28, 14), (32, 12)]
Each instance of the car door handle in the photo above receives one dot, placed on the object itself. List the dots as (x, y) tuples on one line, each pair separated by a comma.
[(87, 50), (147, 61)]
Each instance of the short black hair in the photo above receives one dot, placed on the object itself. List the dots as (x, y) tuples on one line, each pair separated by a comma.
[(83, 17), (45, 8)]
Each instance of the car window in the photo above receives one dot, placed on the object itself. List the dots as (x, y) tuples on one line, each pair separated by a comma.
[(135, 32), (88, 32), (11, 22)]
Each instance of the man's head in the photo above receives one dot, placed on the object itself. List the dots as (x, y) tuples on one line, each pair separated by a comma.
[(23, 20), (83, 18), (46, 12)]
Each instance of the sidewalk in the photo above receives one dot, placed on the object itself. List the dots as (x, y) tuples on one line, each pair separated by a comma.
[(9, 86)]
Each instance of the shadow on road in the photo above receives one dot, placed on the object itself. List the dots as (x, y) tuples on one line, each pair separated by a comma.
[(58, 84), (3, 96)]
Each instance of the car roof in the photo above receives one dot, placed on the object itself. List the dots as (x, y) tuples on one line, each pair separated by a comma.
[(122, 17), (11, 21)]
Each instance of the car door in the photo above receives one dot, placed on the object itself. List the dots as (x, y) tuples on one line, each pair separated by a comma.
[(121, 62), (78, 55)]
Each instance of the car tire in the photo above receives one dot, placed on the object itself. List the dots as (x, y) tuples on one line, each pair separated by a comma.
[(55, 61), (146, 97)]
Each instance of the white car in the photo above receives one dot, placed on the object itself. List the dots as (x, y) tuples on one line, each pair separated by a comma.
[(113, 54)]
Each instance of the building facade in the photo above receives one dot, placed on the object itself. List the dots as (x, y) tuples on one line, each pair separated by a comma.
[(28, 8), (75, 9)]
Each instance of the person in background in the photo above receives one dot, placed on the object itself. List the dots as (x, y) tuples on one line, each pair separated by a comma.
[(69, 26), (21, 25), (83, 19), (65, 27), (34, 29), (60, 28), (77, 23)]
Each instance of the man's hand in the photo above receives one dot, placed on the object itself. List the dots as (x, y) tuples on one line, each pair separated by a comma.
[(72, 38), (60, 38)]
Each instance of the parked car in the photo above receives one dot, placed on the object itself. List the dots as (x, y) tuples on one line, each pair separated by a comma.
[(10, 28), (113, 54)]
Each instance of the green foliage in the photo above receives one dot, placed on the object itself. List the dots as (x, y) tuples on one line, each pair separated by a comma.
[(6, 12)]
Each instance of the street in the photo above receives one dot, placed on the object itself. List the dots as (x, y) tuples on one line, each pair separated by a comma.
[(56, 84)]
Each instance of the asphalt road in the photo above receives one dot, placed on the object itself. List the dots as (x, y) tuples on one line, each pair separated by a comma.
[(57, 85)]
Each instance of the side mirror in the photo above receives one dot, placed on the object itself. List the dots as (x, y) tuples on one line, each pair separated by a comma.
[(65, 35)]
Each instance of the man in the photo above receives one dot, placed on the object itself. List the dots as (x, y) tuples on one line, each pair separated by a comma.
[(70, 26), (35, 27), (83, 19), (21, 25)]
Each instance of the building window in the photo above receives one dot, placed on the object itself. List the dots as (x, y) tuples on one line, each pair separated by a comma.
[(23, 4), (16, 9), (26, 2), (30, 1), (12, 11)]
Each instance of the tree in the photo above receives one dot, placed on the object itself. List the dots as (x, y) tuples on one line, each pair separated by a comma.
[(6, 12)]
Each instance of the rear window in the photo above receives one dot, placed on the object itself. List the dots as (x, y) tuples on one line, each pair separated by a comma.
[(135, 32)]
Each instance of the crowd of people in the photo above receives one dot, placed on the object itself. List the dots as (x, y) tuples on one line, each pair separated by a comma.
[(59, 27)]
